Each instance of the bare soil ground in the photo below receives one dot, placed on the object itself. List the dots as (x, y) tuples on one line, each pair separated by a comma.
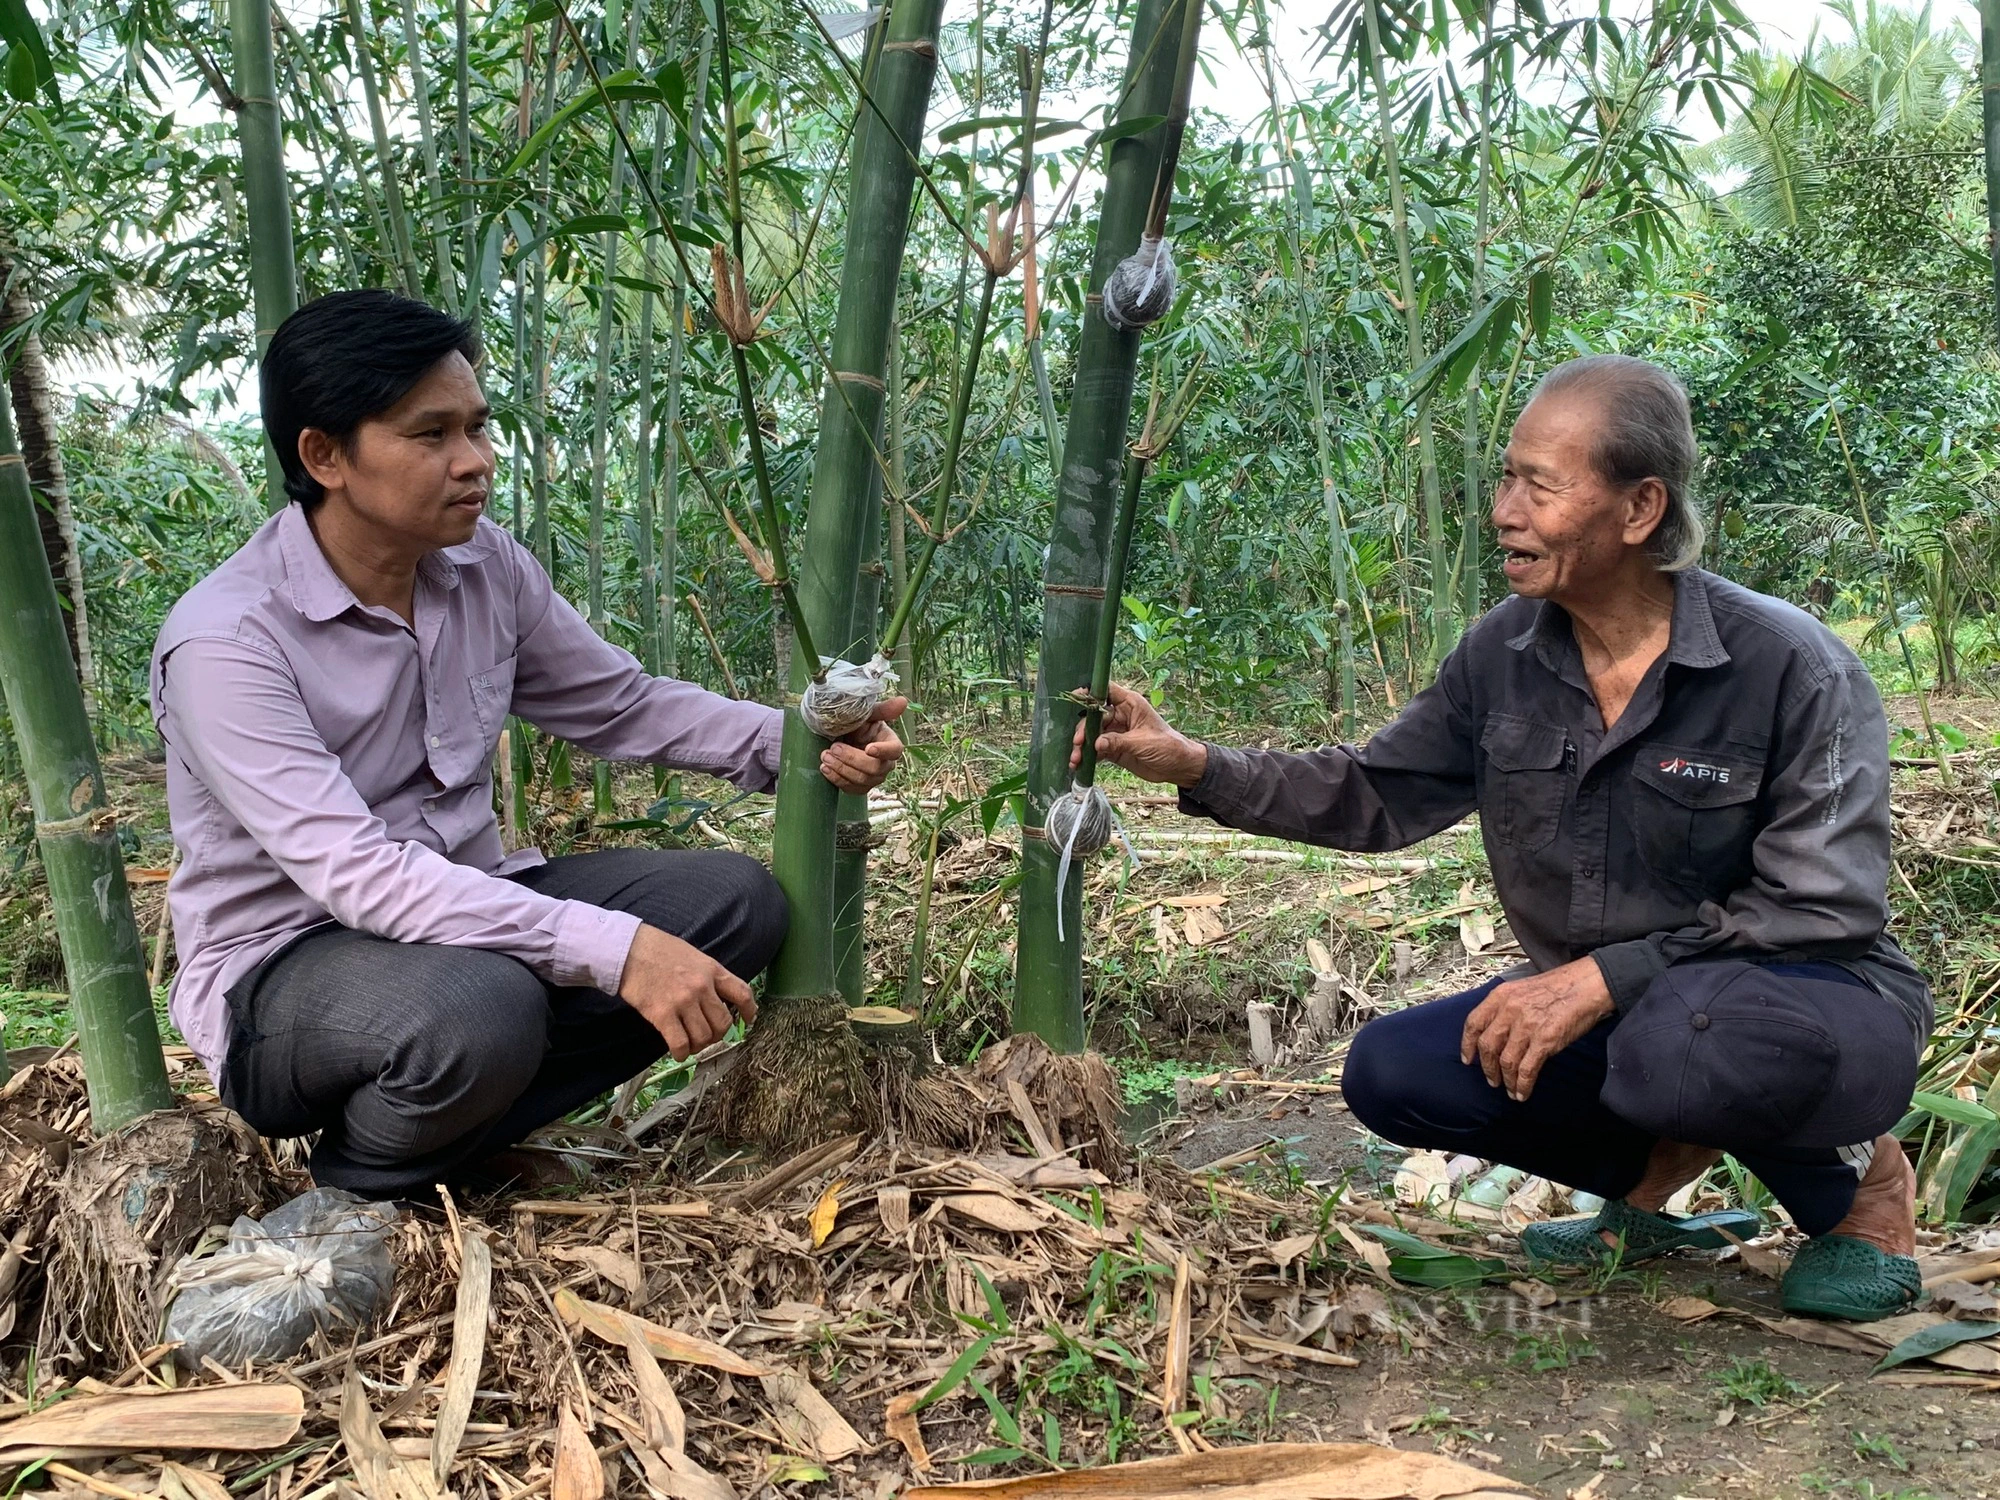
[(1606, 1395)]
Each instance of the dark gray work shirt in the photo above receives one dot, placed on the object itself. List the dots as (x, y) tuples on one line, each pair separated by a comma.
[(1738, 808)]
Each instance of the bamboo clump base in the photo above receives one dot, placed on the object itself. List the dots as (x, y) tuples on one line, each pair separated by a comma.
[(674, 1332)]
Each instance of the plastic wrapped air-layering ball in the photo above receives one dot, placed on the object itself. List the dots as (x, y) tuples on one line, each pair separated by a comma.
[(1140, 288), (841, 701), (1080, 821)]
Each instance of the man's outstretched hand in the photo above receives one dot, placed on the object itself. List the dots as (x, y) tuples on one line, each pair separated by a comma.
[(863, 760), (1134, 736), (688, 996), (1525, 1022)]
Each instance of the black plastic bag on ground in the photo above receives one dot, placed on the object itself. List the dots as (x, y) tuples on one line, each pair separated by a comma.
[(319, 1263)]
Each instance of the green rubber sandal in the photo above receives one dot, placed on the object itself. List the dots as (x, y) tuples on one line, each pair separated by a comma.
[(1838, 1276), (1576, 1242)]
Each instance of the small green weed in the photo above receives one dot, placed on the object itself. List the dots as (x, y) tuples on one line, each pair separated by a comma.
[(1866, 1448), (1756, 1382), (1550, 1351)]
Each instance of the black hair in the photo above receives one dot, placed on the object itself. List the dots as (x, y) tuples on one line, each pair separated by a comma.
[(342, 359)]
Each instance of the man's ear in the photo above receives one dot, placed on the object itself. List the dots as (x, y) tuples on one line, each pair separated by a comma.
[(1645, 508), (322, 453)]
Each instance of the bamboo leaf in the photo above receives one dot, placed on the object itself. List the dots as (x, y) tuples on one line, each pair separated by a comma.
[(1444, 373), (1935, 1339), (1958, 1111), (620, 86), (29, 65), (1541, 299), (1137, 125), (955, 1376)]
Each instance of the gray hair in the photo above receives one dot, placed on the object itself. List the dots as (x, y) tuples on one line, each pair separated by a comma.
[(1646, 433)]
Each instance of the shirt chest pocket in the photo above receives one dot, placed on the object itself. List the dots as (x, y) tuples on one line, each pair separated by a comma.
[(1694, 815), (1527, 781), (492, 701)]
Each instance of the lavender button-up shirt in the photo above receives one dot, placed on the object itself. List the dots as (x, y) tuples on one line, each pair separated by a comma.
[(325, 760)]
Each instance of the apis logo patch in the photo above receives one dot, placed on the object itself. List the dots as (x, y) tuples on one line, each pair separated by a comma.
[(1694, 770)]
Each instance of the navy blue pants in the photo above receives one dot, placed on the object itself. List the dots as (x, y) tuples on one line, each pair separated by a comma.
[(1405, 1082)]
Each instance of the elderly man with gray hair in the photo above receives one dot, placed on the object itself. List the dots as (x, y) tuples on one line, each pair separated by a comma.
[(1683, 788)]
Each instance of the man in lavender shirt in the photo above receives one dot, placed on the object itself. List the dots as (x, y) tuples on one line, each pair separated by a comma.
[(360, 957)]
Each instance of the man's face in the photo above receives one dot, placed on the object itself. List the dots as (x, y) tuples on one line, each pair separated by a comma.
[(1562, 526), (419, 472)]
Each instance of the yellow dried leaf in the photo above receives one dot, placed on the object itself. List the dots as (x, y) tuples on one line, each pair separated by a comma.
[(900, 1422), (825, 1211)]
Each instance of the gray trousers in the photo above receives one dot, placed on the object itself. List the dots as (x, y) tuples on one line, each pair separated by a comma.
[(415, 1061)]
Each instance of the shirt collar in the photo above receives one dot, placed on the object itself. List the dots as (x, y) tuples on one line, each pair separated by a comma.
[(1692, 640), (318, 593)]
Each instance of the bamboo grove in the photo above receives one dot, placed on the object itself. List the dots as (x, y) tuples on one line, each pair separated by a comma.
[(794, 329)]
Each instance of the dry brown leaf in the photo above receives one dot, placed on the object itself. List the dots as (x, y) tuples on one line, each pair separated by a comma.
[(807, 1419), (1202, 926), (1759, 1258), (825, 1211), (899, 1420), (1371, 1251), (1537, 1294), (679, 1477), (1965, 1300), (1199, 901), (620, 1270), (1294, 1351), (994, 1211), (608, 1323), (1284, 1252), (200, 1484), (892, 1206), (1318, 957), (659, 1408), (468, 1351), (379, 1472), (579, 1472), (1269, 1471), (1475, 932), (1423, 1179), (245, 1418), (1689, 1309)]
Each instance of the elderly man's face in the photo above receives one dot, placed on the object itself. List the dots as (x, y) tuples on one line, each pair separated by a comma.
[(1563, 527)]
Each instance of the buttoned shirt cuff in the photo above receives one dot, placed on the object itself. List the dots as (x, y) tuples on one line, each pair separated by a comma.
[(1222, 783), (592, 945), (770, 746), (1629, 969)]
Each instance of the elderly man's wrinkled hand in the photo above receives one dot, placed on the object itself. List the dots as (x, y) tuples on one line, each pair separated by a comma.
[(863, 760), (1134, 736), (1525, 1022)]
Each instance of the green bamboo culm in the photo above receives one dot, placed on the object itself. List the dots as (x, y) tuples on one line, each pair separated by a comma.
[(75, 828), (846, 470), (274, 289), (853, 834), (1989, 83), (1048, 975)]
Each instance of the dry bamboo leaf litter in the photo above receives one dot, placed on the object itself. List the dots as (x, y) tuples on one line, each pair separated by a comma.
[(761, 1347)]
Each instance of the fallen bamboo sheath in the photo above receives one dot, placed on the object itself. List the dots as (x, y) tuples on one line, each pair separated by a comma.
[(1268, 1471), (243, 1418)]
